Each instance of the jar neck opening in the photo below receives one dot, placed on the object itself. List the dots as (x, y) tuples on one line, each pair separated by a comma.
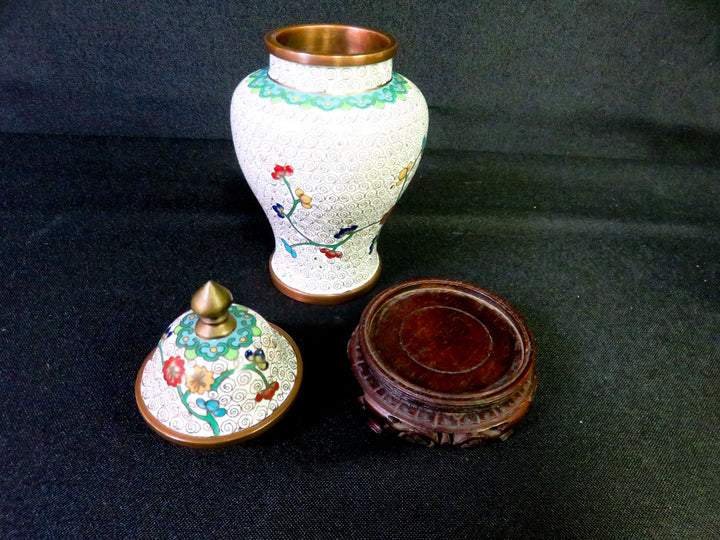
[(330, 45)]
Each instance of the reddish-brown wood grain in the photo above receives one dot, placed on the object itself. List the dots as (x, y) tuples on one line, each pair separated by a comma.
[(443, 362)]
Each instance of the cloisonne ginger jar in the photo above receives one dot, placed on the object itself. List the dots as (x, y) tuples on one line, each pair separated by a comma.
[(219, 374), (328, 138)]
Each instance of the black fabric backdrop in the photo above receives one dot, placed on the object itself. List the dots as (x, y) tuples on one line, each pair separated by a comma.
[(572, 167)]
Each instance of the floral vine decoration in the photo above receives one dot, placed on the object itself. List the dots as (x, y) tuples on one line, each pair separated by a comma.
[(300, 198), (198, 379)]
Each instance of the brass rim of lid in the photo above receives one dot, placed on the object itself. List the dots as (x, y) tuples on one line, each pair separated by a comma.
[(330, 45), (222, 440)]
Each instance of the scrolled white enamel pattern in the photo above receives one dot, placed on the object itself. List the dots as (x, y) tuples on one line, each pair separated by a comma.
[(329, 79), (195, 390), (327, 168)]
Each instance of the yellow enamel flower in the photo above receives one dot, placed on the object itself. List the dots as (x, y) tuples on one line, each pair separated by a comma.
[(404, 173), (304, 199), (199, 381)]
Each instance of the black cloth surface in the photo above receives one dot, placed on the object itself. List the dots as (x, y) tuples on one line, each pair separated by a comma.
[(613, 263), (572, 167), (610, 79)]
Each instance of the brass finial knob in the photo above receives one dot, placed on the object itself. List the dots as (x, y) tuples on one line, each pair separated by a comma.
[(211, 302)]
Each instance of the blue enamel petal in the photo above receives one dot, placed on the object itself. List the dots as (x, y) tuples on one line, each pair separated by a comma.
[(206, 350), (186, 338), (345, 230), (279, 210), (361, 102), (213, 405), (327, 103), (241, 338), (289, 248), (296, 98)]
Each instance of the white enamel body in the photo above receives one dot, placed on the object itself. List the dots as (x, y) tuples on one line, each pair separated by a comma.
[(352, 161)]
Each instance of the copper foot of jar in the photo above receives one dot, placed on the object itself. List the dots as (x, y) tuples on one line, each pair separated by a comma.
[(325, 299)]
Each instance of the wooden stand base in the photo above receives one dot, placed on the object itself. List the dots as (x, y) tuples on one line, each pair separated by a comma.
[(443, 363)]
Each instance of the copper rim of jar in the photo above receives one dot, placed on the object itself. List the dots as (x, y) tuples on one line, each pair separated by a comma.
[(330, 45)]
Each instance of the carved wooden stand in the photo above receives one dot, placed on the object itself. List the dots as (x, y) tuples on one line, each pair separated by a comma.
[(443, 363)]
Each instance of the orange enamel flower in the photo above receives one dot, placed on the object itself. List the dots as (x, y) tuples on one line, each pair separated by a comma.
[(404, 173), (199, 381), (304, 199)]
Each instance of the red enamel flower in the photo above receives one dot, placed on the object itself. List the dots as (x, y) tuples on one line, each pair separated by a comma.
[(268, 392), (331, 253), (281, 171), (173, 370)]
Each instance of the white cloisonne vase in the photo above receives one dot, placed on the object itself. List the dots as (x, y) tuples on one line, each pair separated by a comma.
[(328, 138)]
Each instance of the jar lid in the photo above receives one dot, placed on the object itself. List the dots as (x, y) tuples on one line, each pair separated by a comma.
[(220, 373), (443, 362)]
